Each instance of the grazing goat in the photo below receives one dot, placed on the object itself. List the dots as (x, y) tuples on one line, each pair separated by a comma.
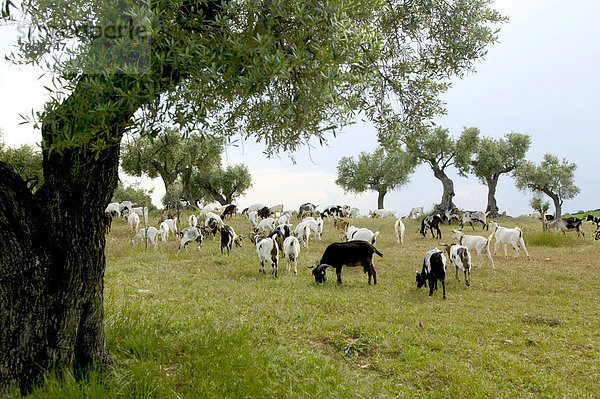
[(475, 243), (461, 259), (228, 238), (505, 236), (134, 221), (399, 229), (141, 212), (596, 220), (255, 207), (264, 212), (302, 231), (569, 224), (172, 223), (212, 225), (268, 223), (307, 209), (114, 209), (341, 225), (431, 222), (125, 206), (313, 225), (354, 253), (473, 216), (267, 251), (416, 211), (170, 213), (163, 230), (152, 232), (332, 211), (283, 219), (434, 269), (453, 213), (276, 210), (229, 211), (253, 218), (361, 234), (188, 235), (291, 250), (280, 233), (385, 213)]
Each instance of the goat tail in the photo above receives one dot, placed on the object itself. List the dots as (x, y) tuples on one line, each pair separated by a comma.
[(377, 252)]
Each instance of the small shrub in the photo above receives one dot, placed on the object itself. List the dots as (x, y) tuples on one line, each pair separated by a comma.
[(552, 239)]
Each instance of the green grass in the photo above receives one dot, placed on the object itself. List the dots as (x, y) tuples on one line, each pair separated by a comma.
[(203, 324)]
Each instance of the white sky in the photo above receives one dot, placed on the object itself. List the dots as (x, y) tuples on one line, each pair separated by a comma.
[(540, 79)]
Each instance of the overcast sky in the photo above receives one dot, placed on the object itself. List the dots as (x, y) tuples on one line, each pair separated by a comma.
[(540, 79)]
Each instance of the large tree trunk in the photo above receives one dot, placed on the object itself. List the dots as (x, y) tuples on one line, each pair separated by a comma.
[(557, 203), (52, 245), (448, 190), (492, 207), (380, 196)]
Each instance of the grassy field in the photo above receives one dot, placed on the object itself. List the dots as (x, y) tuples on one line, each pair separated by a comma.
[(203, 324)]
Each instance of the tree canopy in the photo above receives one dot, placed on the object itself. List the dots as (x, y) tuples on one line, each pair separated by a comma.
[(382, 171), (440, 151), (281, 72), (171, 156), (26, 161), (222, 185), (495, 157), (553, 177)]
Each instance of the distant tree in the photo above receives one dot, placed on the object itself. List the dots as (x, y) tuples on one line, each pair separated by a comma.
[(26, 161), (170, 156), (496, 157), (382, 171), (551, 177), (222, 185), (440, 151), (541, 206), (134, 193)]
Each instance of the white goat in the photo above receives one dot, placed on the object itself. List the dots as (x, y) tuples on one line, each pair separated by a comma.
[(172, 223), (253, 218), (302, 231), (505, 236), (291, 250), (416, 211), (152, 233), (362, 234), (267, 251), (267, 223), (163, 230), (193, 221), (283, 219), (188, 235), (399, 229), (134, 221), (141, 212), (475, 243), (386, 213), (113, 207)]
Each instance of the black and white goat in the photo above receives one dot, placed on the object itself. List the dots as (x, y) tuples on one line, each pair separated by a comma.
[(188, 235), (461, 259), (434, 269), (431, 222), (228, 238), (568, 224), (352, 253), (596, 221)]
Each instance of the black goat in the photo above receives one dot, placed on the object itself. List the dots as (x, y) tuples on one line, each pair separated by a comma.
[(353, 253), (434, 269)]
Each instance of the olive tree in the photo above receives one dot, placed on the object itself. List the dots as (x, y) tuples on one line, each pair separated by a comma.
[(440, 151), (221, 184), (552, 177), (170, 156), (382, 171), (495, 157), (280, 72)]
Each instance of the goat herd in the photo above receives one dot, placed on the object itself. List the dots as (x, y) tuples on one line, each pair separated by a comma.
[(272, 235)]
